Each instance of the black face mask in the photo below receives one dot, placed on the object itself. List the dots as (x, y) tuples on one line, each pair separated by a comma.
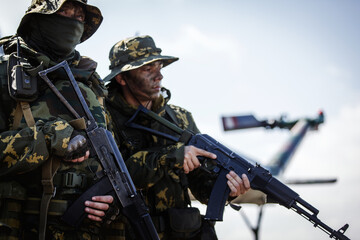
[(55, 35)]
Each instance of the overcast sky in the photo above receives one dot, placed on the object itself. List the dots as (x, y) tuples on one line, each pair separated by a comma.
[(268, 58)]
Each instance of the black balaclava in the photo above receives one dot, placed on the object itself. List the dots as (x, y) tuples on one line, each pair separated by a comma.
[(54, 35)]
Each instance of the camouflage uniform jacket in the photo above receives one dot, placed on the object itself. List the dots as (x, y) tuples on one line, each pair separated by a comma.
[(24, 150), (154, 162)]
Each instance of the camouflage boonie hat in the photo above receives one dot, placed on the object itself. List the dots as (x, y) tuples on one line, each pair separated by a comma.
[(93, 16), (134, 52)]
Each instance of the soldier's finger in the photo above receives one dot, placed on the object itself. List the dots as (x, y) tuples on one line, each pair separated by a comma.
[(97, 205), (73, 160), (235, 177), (191, 157), (242, 189), (195, 162), (246, 181), (185, 167), (203, 153), (81, 159), (190, 164), (104, 199), (233, 189), (87, 154), (94, 218), (94, 212), (237, 184)]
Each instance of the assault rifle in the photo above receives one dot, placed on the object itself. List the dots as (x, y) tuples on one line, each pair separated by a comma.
[(259, 177), (116, 179)]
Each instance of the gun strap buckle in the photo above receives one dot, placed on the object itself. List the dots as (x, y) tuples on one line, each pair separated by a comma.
[(72, 180)]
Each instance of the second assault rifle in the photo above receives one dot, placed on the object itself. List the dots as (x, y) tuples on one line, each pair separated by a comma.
[(226, 161), (116, 180)]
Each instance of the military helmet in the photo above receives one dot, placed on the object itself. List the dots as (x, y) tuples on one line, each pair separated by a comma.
[(134, 52), (93, 17)]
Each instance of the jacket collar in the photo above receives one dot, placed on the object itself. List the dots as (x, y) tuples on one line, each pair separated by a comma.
[(117, 100)]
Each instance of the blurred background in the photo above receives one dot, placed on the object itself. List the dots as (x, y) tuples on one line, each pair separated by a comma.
[(267, 58)]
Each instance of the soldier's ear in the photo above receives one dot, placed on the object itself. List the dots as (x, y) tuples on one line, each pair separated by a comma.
[(120, 79)]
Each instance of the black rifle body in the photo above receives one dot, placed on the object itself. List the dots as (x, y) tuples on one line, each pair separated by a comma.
[(260, 179), (116, 179)]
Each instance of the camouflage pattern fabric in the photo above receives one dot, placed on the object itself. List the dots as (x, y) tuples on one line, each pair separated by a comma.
[(134, 52), (154, 163), (28, 148), (24, 150), (93, 17)]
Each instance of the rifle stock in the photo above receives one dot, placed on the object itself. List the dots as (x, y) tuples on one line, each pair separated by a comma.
[(116, 180)]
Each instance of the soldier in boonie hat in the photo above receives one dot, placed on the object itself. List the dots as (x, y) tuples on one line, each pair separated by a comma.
[(134, 52), (156, 162)]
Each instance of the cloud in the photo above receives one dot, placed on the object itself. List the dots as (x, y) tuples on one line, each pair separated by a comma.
[(197, 44), (337, 72)]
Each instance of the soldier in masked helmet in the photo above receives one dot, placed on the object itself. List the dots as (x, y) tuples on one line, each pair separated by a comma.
[(44, 157)]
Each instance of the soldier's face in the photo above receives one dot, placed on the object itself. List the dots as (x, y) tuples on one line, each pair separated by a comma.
[(145, 82), (72, 10)]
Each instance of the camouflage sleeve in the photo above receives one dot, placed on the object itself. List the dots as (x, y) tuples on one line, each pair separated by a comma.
[(25, 150), (149, 166), (200, 182)]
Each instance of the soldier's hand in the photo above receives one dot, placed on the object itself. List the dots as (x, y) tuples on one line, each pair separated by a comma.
[(191, 161), (80, 159), (102, 208), (238, 185), (77, 150)]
